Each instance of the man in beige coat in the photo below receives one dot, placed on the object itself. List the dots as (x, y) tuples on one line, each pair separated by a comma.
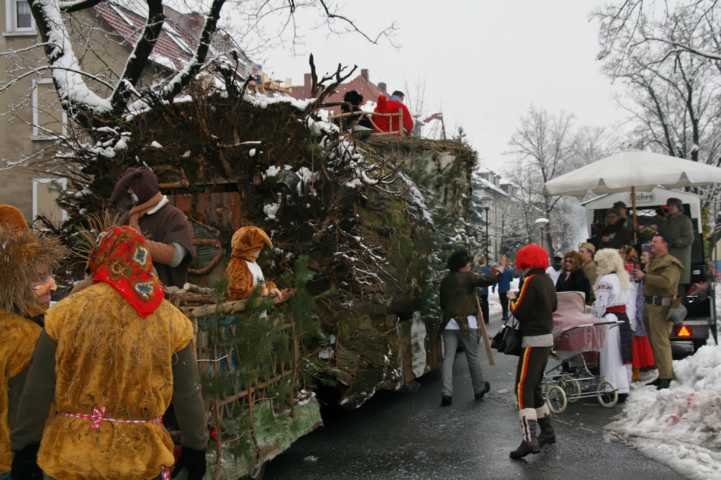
[(660, 286)]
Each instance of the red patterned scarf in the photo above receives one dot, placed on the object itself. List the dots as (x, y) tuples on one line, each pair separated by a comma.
[(122, 260)]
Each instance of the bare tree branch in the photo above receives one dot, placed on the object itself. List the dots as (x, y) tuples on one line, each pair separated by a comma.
[(139, 57), (182, 78)]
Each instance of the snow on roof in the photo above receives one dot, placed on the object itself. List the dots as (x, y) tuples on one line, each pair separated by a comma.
[(177, 41), (485, 184)]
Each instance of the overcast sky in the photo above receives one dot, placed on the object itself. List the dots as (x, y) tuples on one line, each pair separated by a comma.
[(483, 63)]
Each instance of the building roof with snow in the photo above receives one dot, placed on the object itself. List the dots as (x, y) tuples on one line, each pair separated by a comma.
[(490, 181), (361, 84), (177, 41)]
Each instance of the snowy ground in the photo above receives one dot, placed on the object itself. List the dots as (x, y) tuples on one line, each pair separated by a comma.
[(680, 426)]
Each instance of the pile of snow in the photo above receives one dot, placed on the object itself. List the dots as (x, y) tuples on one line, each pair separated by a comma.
[(680, 426)]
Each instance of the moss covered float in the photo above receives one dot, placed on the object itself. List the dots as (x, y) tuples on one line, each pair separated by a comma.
[(361, 213)]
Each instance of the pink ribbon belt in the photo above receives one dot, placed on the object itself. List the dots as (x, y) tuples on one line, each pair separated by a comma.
[(97, 417)]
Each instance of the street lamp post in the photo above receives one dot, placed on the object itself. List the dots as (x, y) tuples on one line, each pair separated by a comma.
[(487, 209), (541, 222)]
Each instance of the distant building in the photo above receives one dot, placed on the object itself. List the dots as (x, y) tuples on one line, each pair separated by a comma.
[(361, 84), (496, 198)]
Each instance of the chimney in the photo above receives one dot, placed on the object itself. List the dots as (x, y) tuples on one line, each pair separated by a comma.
[(364, 74)]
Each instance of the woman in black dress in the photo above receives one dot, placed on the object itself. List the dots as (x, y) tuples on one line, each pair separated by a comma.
[(572, 278)]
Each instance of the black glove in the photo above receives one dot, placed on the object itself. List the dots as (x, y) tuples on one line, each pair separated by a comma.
[(25, 464), (191, 460)]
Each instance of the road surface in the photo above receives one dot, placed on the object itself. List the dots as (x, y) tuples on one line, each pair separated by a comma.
[(408, 436)]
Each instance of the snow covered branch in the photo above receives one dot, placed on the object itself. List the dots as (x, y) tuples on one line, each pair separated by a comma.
[(74, 93), (76, 5)]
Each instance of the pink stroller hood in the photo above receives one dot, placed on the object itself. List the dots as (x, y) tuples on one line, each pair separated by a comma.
[(573, 329)]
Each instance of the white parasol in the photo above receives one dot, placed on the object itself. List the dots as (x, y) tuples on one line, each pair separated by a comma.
[(632, 171)]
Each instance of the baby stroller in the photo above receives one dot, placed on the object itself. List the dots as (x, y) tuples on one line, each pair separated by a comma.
[(575, 333)]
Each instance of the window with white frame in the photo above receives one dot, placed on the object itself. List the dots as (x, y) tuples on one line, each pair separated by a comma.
[(49, 118), (46, 192), (18, 17)]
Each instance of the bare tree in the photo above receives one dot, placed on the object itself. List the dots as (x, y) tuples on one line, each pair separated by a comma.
[(667, 56), (542, 145), (673, 91), (685, 26)]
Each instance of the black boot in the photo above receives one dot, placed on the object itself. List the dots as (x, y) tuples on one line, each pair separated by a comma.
[(446, 401), (530, 440), (547, 435), (486, 388), (663, 383), (654, 383)]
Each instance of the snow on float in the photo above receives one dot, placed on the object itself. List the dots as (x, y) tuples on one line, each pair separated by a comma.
[(353, 223)]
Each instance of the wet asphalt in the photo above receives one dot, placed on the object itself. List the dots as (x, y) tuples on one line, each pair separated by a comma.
[(407, 436)]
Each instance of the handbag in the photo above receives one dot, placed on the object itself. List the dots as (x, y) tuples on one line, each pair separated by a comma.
[(509, 339)]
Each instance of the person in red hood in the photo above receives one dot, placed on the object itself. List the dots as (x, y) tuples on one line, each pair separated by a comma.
[(394, 104)]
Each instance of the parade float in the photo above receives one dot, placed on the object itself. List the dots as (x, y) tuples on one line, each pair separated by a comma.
[(359, 230)]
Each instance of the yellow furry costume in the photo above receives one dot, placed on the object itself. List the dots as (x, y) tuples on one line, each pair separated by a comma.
[(23, 256), (246, 244), (109, 356)]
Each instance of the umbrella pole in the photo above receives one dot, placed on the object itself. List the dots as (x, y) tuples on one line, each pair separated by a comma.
[(635, 217)]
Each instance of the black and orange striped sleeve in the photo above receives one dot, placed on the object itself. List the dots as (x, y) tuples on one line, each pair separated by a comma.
[(523, 303)]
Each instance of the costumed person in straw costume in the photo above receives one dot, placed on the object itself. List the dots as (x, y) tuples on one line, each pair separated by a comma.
[(243, 272), (613, 292), (534, 309), (26, 262), (109, 362)]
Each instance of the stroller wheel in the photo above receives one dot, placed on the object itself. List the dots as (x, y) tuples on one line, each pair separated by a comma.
[(572, 389), (556, 399), (607, 394)]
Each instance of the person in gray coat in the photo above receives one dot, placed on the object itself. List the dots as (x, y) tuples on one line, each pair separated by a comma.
[(678, 228), (460, 322)]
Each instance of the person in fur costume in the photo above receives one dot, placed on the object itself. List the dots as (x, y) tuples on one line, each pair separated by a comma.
[(107, 365), (533, 307), (26, 284), (243, 272)]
